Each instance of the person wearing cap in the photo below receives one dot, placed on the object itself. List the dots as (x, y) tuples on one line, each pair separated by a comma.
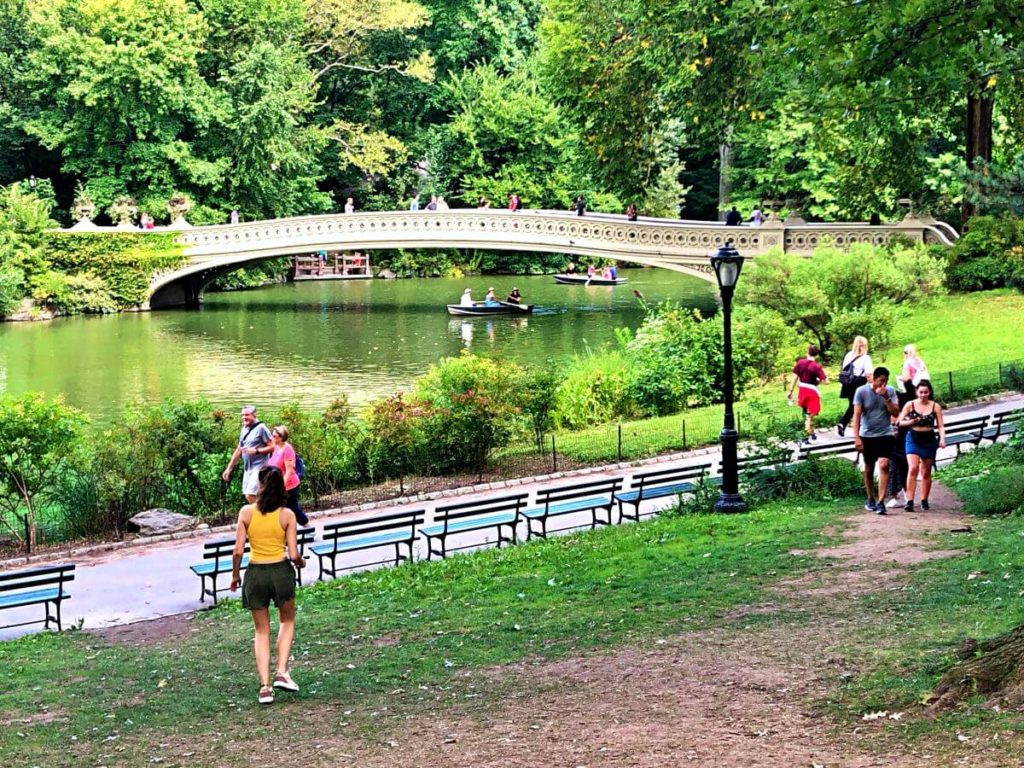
[(254, 448), (467, 298)]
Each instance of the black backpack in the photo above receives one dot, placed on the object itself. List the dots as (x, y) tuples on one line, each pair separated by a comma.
[(300, 467), (846, 374)]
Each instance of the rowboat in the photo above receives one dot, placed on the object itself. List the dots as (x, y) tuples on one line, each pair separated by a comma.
[(483, 310), (584, 280)]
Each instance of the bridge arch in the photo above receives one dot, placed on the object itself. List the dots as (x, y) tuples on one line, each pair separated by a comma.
[(682, 246)]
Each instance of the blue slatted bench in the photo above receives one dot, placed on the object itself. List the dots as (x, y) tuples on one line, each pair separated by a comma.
[(468, 516), (397, 529), (1003, 423), (217, 562), (965, 432), (590, 497), (659, 484), (835, 449), (37, 586)]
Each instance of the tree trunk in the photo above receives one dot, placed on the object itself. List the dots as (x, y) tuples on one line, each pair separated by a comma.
[(979, 139), (994, 669), (724, 183)]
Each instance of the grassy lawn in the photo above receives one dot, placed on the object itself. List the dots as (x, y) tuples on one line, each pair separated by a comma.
[(364, 637)]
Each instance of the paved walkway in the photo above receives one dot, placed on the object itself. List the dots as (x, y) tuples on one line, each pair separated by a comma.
[(150, 580)]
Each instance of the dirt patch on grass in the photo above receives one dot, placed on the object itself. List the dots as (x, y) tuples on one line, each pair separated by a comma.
[(152, 632)]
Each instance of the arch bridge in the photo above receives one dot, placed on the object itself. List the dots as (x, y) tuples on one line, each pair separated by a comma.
[(682, 246)]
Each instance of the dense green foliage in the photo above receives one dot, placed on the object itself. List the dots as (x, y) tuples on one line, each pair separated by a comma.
[(989, 255), (836, 295), (990, 481)]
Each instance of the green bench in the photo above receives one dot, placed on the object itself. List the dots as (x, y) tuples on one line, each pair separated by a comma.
[(659, 484), (1004, 423), (592, 496), (839, 448), (501, 514), (217, 562), (397, 529), (965, 432), (37, 586)]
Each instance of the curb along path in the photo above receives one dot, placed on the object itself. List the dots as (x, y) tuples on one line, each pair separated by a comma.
[(144, 579)]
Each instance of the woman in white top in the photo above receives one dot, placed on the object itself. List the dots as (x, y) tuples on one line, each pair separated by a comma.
[(856, 369)]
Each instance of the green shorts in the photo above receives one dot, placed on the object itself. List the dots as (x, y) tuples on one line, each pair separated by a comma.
[(268, 581)]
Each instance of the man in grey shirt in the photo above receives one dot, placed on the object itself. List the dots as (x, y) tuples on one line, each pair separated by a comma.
[(254, 447), (874, 405)]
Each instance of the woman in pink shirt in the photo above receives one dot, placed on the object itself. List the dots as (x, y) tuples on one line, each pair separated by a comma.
[(283, 457)]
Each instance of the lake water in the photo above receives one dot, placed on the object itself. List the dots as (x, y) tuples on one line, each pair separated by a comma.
[(308, 342)]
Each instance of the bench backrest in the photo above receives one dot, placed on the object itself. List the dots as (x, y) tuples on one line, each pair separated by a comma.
[(304, 536), (603, 487), (451, 513), (1006, 422), (671, 476), (37, 577), (965, 426), (756, 461), (362, 526), (841, 448), (216, 550)]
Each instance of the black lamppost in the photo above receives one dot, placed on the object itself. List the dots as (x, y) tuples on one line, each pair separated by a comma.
[(727, 264)]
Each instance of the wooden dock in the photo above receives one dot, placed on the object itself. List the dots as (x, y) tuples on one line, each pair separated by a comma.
[(333, 266)]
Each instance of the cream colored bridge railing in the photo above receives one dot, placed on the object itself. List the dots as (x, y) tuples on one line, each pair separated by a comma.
[(679, 245)]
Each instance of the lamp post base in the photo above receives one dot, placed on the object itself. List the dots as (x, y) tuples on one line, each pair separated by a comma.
[(730, 503)]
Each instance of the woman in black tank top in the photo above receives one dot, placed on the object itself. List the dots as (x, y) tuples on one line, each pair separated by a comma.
[(922, 418)]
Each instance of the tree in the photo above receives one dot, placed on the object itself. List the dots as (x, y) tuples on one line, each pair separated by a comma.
[(39, 442), (117, 90), (885, 62), (834, 294)]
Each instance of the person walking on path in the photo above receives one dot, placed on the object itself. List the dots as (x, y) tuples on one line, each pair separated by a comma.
[(914, 370), (874, 405), (254, 448), (808, 374), (926, 433), (898, 467), (270, 528), (853, 374), (283, 458)]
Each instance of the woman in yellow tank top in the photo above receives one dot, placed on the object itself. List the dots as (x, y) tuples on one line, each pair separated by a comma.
[(270, 528)]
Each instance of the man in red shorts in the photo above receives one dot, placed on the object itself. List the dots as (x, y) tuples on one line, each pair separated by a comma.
[(808, 374)]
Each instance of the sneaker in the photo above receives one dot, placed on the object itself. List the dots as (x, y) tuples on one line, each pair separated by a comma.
[(266, 695), (924, 505), (893, 502), (841, 429), (880, 509), (284, 681), (909, 506), (871, 506)]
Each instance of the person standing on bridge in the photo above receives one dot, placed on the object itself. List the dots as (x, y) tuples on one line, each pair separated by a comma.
[(733, 217), (234, 216), (270, 528), (631, 212), (254, 448), (350, 206), (414, 204), (579, 205), (442, 204), (432, 205)]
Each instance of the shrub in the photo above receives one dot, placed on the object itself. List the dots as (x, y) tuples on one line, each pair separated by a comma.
[(676, 361), (997, 492), (393, 437), (472, 407), (40, 440), (821, 479), (990, 254), (593, 391)]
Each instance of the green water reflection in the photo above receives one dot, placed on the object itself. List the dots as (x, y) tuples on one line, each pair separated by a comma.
[(308, 342)]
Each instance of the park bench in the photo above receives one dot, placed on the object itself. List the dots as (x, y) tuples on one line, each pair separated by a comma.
[(753, 462), (37, 586), (217, 562), (661, 483), (829, 450), (397, 529), (1003, 423), (592, 496), (468, 516), (965, 432)]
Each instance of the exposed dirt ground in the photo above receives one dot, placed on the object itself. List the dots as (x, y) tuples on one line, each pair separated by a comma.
[(720, 698)]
